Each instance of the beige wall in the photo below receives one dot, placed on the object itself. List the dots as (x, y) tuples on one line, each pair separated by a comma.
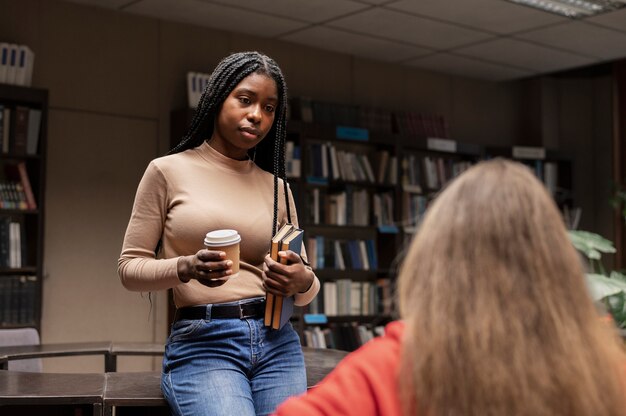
[(113, 79)]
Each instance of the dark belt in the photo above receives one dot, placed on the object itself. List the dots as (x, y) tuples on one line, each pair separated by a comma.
[(238, 311)]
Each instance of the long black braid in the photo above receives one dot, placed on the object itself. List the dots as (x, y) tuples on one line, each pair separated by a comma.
[(226, 76)]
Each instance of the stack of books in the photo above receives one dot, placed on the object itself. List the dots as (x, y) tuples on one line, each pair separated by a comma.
[(278, 309)]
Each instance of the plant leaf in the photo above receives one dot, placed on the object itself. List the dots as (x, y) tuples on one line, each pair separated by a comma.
[(590, 244), (618, 276), (601, 286), (615, 304)]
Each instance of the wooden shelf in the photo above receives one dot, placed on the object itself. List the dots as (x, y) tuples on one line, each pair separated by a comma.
[(21, 287)]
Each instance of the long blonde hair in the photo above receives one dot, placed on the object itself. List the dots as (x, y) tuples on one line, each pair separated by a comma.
[(499, 321)]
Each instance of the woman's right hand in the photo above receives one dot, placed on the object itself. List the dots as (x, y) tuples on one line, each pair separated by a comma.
[(209, 267)]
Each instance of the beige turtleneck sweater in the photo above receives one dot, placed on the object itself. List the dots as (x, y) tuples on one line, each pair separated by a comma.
[(183, 196)]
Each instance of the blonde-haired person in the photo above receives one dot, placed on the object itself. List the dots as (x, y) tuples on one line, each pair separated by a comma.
[(496, 318)]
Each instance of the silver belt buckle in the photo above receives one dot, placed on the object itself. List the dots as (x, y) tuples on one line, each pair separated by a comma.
[(240, 311)]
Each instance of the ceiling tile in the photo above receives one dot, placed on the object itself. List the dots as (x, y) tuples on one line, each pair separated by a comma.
[(467, 67), (616, 19), (496, 16), (494, 36), (354, 44), (313, 11), (582, 38), (407, 28), (524, 55), (215, 16)]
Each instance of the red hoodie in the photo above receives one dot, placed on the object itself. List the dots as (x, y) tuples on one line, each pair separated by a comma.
[(364, 383)]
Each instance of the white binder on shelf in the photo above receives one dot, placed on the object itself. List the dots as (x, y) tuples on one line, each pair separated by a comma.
[(196, 82), (12, 67), (4, 61), (24, 69)]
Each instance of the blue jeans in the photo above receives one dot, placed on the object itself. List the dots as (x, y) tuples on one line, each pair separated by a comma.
[(231, 367)]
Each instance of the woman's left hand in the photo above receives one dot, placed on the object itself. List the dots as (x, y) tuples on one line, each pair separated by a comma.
[(286, 279)]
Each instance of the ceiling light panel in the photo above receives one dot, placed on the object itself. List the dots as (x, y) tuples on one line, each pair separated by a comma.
[(574, 9)]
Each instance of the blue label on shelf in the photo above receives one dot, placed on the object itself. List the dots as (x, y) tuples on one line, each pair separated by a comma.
[(352, 133), (316, 180), (315, 318), (388, 229)]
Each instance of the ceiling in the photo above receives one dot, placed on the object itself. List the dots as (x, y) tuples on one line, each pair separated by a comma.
[(486, 39)]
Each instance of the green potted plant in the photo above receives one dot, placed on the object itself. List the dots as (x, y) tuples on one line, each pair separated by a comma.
[(608, 288)]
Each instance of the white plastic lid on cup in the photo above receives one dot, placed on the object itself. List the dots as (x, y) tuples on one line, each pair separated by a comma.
[(219, 238)]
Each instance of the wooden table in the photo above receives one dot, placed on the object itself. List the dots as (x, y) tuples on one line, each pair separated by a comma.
[(52, 350), (36, 390), (104, 391), (141, 389)]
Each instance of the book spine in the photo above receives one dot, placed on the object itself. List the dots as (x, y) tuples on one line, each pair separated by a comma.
[(28, 190), (20, 132), (279, 301)]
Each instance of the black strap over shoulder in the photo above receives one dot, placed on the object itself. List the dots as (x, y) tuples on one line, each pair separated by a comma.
[(287, 206)]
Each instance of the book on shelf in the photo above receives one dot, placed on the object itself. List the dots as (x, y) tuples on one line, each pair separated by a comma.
[(375, 119), (12, 196), (25, 182), (17, 192), (346, 336), (5, 241), (20, 130), (292, 160), (12, 243), (383, 209), (334, 162), (318, 162), (442, 145), (528, 152), (15, 241), (32, 132), (6, 129), (409, 123), (346, 297), (17, 299), (342, 254)]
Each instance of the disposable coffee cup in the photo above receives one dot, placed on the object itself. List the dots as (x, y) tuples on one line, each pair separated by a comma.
[(228, 242)]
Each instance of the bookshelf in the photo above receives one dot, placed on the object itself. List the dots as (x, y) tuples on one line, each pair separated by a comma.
[(22, 187), (362, 179), (553, 168), (347, 206), (362, 190)]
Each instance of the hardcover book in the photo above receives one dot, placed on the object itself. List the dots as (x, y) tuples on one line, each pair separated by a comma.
[(278, 309), (274, 249), (283, 306)]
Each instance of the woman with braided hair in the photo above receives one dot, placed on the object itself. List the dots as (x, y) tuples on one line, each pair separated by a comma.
[(220, 359)]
